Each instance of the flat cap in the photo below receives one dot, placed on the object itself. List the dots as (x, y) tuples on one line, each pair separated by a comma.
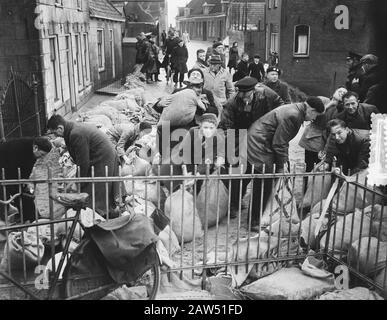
[(246, 84), (217, 44), (272, 68)]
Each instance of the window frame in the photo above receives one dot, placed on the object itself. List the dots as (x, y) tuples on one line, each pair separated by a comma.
[(56, 70), (79, 5), (269, 4), (86, 56), (59, 3), (275, 4), (79, 58), (103, 67), (301, 55)]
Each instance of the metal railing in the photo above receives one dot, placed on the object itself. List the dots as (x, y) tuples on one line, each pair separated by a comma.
[(228, 245)]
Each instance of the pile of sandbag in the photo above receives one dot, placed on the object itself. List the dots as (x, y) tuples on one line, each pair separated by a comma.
[(133, 80)]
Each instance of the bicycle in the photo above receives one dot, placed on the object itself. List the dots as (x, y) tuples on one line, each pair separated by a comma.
[(85, 283)]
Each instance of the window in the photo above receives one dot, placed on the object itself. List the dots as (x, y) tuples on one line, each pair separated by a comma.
[(78, 57), (54, 68), (269, 4), (79, 4), (301, 40), (274, 42), (86, 58), (112, 54), (101, 50), (59, 3), (275, 3)]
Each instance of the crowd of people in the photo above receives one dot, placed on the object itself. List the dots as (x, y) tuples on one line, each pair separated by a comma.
[(246, 108)]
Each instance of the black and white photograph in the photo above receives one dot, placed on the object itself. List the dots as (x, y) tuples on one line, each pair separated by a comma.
[(195, 155)]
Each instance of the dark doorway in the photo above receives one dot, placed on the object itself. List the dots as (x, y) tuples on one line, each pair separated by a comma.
[(204, 30)]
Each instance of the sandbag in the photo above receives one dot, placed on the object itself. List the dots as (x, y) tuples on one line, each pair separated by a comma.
[(217, 202), (98, 120), (261, 246), (318, 188), (137, 93), (282, 197), (135, 166), (358, 293), (40, 171), (19, 244), (288, 284), (180, 209), (108, 111), (122, 105), (343, 229), (148, 191), (367, 250), (354, 200)]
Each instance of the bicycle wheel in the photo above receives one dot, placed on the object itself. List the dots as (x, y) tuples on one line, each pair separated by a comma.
[(95, 287)]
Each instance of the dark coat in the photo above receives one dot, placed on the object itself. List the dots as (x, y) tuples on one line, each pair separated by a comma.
[(14, 154), (141, 47), (353, 78), (152, 63), (233, 57), (353, 154), (89, 147), (268, 138), (234, 115), (257, 71), (367, 80), (170, 44), (281, 89), (242, 71), (361, 119), (179, 59)]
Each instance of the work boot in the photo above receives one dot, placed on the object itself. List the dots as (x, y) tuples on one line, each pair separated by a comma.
[(175, 86), (157, 78), (181, 84), (149, 81)]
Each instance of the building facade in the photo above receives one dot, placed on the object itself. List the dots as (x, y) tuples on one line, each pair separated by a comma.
[(312, 39), (72, 47), (204, 19)]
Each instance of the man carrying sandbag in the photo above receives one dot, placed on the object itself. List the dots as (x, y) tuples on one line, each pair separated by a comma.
[(268, 145), (123, 135), (89, 147), (351, 147)]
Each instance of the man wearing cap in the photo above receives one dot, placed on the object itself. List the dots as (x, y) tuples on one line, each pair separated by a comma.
[(141, 48), (370, 74), (218, 80), (218, 50), (256, 69), (274, 83), (354, 71), (268, 145), (251, 102)]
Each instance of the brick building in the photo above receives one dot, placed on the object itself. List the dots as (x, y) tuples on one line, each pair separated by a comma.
[(66, 44), (204, 19), (314, 37)]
